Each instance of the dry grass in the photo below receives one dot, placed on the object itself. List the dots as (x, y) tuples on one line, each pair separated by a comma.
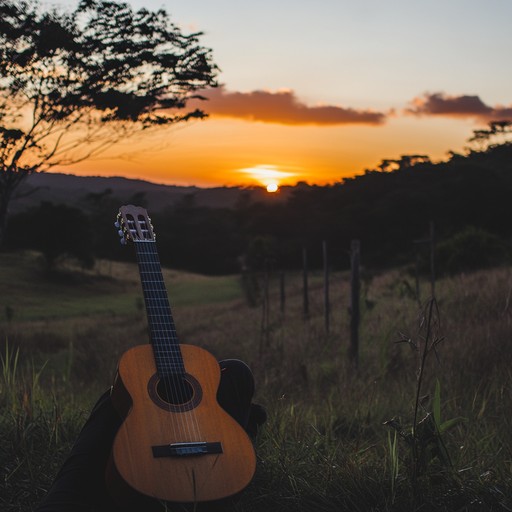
[(325, 446)]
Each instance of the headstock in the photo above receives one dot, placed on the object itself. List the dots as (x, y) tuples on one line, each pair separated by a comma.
[(134, 224)]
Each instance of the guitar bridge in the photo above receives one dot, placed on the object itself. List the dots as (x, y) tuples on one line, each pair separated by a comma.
[(186, 449)]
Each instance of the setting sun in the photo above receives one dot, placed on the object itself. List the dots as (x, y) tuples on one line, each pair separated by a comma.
[(268, 176)]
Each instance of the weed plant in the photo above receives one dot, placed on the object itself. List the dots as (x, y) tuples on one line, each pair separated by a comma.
[(386, 437)]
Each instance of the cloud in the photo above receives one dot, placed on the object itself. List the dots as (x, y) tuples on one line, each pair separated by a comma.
[(440, 104), (283, 107)]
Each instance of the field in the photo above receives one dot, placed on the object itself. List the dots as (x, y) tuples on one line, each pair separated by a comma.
[(424, 422)]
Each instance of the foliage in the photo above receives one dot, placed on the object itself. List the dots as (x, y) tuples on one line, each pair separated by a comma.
[(497, 133), (73, 84), (387, 211), (214, 246), (467, 199), (38, 429), (57, 231), (470, 249), (424, 438)]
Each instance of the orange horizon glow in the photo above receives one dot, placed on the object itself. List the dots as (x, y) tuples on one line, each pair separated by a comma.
[(269, 176), (317, 123), (233, 153)]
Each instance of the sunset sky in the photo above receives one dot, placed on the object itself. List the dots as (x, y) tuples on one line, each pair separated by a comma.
[(316, 90)]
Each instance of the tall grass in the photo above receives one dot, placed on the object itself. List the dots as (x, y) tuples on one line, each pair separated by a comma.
[(327, 444), (37, 427)]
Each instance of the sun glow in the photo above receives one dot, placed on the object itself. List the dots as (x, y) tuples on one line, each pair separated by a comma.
[(268, 176)]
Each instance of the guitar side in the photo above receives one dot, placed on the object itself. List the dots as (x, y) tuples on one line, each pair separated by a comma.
[(153, 451)]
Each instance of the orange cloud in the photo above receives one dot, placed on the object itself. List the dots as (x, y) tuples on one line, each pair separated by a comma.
[(282, 107), (440, 104)]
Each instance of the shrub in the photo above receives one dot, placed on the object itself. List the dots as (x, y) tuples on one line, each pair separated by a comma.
[(470, 249)]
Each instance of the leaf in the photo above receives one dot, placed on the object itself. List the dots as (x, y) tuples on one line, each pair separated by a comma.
[(449, 424)]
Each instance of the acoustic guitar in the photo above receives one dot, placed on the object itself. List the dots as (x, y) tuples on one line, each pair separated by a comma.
[(175, 443)]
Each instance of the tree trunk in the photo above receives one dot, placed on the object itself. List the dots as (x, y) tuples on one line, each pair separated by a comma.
[(10, 179)]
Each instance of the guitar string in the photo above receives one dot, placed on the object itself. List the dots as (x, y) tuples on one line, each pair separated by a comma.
[(168, 355), (190, 414), (142, 234), (158, 329), (167, 361)]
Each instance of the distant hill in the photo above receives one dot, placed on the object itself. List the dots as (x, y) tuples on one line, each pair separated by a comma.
[(466, 198), (73, 190)]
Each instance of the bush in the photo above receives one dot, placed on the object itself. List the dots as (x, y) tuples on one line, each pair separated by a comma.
[(470, 249), (57, 231)]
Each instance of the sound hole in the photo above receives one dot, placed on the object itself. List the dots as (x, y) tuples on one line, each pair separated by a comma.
[(175, 393), (175, 390)]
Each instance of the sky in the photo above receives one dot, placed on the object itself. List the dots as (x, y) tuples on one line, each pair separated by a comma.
[(319, 90)]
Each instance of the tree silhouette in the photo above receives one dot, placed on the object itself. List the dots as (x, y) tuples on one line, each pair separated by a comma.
[(72, 84), (57, 231), (404, 162), (497, 133)]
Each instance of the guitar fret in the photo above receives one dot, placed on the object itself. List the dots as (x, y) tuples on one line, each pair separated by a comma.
[(164, 339)]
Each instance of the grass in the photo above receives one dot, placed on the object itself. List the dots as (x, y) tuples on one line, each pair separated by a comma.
[(329, 442), (112, 289)]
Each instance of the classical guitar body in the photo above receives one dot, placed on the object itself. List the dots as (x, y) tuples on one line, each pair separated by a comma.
[(176, 443), (142, 453)]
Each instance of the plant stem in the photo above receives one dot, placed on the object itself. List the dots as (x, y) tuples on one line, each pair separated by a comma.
[(422, 367)]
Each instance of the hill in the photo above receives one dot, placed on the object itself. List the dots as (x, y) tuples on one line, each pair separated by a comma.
[(73, 190), (215, 231)]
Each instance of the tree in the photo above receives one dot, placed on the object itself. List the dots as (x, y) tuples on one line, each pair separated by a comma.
[(57, 231), (498, 130), (72, 84), (405, 162)]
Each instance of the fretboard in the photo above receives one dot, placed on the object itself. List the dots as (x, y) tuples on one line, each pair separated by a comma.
[(162, 331)]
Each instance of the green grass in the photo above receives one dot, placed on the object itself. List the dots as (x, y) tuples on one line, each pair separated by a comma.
[(328, 444), (190, 290), (113, 289)]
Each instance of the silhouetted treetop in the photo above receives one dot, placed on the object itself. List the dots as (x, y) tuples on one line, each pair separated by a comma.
[(497, 133), (130, 65), (72, 84)]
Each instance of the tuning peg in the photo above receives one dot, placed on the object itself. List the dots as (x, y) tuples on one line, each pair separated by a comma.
[(121, 233), (116, 224), (123, 241)]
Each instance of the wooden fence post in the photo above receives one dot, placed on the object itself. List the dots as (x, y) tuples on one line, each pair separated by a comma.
[(264, 329), (417, 275), (327, 306), (354, 301), (282, 292), (305, 282)]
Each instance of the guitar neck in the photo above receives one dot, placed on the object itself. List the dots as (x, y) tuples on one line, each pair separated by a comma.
[(162, 331)]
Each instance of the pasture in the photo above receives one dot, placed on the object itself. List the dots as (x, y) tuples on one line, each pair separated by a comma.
[(337, 438)]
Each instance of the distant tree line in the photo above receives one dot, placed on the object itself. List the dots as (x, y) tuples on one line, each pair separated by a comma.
[(468, 198)]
